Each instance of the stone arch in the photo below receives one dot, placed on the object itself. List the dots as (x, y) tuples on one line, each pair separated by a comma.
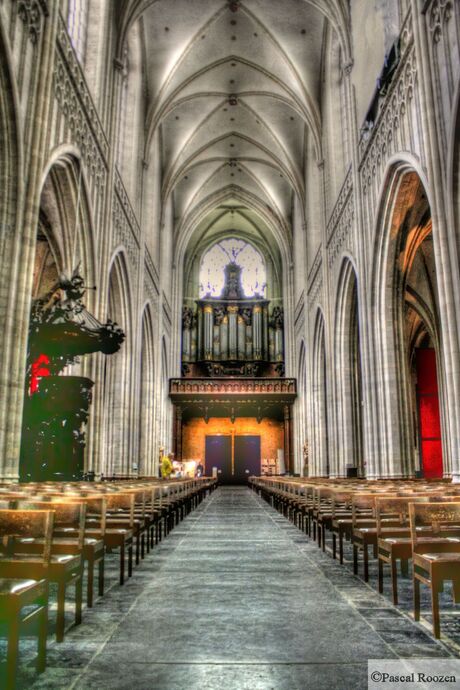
[(118, 378), (348, 375), (302, 438), (147, 450), (319, 430), (405, 302), (165, 421), (274, 229), (452, 278), (66, 218), (63, 241)]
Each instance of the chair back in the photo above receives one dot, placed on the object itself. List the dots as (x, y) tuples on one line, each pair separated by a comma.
[(122, 503), (67, 515), (23, 524), (438, 517)]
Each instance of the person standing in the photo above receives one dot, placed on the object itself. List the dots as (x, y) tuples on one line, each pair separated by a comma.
[(166, 466)]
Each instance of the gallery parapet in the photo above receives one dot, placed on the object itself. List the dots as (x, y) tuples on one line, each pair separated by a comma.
[(241, 387)]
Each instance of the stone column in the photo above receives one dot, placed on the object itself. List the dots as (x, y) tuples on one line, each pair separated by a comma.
[(444, 243), (18, 237), (287, 438)]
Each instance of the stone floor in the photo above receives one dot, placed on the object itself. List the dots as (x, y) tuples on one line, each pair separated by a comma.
[(235, 598)]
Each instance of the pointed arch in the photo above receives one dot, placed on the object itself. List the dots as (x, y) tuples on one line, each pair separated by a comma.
[(404, 300), (118, 379), (301, 404), (147, 449), (165, 408), (66, 215), (319, 450), (348, 375)]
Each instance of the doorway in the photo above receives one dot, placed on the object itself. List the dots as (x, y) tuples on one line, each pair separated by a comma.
[(235, 457)]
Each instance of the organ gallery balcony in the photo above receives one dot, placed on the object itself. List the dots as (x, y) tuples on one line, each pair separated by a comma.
[(243, 389)]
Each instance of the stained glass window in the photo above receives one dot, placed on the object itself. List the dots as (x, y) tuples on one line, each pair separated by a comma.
[(253, 274)]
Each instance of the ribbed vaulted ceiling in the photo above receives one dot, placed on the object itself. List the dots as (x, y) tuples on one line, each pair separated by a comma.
[(233, 90)]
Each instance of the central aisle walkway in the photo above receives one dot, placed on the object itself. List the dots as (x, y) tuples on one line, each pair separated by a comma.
[(237, 598)]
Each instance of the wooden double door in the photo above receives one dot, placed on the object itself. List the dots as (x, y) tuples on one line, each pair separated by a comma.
[(235, 457)]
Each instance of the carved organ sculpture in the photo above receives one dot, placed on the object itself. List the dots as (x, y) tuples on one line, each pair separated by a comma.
[(232, 335)]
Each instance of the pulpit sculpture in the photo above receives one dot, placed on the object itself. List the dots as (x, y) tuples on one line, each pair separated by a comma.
[(56, 407)]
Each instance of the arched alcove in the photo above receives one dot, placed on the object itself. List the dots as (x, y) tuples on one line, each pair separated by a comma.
[(348, 377), (408, 336), (319, 446), (58, 387), (165, 427), (147, 441), (303, 440), (117, 375)]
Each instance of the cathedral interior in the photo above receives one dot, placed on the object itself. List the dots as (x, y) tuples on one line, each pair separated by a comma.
[(230, 361)]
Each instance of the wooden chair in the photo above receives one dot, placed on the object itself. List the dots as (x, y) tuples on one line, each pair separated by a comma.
[(119, 530), (396, 544), (93, 543), (340, 511), (337, 505), (17, 592), (440, 559), (66, 564)]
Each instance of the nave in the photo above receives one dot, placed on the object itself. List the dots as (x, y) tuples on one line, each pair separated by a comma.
[(235, 597)]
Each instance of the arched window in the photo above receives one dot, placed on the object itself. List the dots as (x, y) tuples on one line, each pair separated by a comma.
[(77, 24), (253, 274)]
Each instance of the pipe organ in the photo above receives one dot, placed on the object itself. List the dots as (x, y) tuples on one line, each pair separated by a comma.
[(232, 335)]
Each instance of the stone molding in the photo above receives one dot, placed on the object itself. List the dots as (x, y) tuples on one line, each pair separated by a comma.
[(77, 106), (151, 275), (315, 279), (438, 13), (235, 386), (33, 14), (299, 310), (340, 226), (379, 146), (126, 227)]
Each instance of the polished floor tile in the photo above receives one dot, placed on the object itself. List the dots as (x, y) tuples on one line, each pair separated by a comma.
[(236, 598)]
